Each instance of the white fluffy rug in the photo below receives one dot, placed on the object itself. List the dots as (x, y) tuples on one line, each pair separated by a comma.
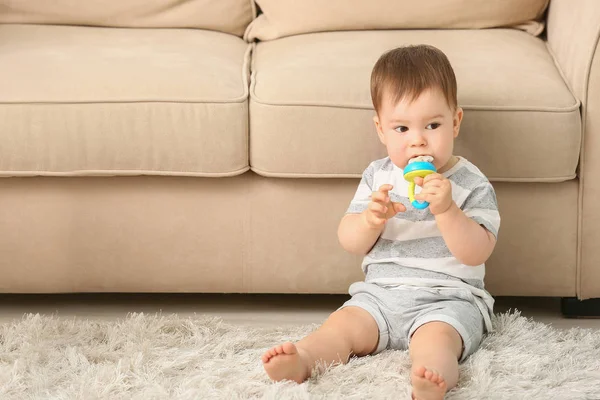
[(167, 357)]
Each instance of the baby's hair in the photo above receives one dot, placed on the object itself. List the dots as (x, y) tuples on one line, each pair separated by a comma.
[(410, 70)]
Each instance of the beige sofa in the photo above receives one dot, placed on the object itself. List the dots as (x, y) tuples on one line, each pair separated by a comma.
[(172, 146)]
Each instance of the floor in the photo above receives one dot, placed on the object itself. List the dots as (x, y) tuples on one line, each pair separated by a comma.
[(256, 310)]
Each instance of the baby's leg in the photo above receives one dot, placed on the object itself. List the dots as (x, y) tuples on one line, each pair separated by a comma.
[(435, 349), (349, 331)]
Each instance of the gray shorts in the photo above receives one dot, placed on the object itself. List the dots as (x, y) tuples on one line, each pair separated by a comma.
[(399, 312)]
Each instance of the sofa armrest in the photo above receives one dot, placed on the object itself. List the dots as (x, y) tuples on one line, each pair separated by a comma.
[(573, 35), (573, 28)]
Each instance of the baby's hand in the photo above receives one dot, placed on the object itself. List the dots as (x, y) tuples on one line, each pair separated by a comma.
[(381, 208), (437, 190)]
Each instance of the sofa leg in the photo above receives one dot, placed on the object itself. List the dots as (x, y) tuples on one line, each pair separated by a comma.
[(571, 307)]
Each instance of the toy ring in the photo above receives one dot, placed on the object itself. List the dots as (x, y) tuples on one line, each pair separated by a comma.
[(413, 170)]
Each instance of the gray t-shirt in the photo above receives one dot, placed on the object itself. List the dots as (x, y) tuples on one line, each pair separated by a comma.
[(411, 245)]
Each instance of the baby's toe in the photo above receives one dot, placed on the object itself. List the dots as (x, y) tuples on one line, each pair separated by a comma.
[(267, 356), (420, 371)]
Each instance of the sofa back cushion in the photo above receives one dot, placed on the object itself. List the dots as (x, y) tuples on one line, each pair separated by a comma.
[(229, 16), (281, 18)]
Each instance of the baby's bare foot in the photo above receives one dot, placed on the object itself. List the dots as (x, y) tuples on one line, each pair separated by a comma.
[(427, 384), (286, 361)]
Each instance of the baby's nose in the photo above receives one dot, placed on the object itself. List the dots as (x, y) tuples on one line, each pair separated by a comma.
[(418, 140)]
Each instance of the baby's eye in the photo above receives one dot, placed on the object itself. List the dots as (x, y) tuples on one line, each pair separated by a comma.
[(401, 129), (435, 125)]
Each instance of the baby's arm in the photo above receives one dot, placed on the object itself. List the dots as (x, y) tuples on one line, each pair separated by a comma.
[(470, 234), (468, 241), (356, 236), (358, 233)]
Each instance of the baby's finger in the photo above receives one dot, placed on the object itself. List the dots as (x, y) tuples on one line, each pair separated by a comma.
[(429, 190), (386, 188), (376, 220), (377, 207), (419, 181), (398, 207), (379, 221), (424, 196), (433, 184), (433, 177), (380, 197)]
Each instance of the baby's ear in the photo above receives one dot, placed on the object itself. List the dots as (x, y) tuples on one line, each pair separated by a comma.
[(458, 116), (379, 128)]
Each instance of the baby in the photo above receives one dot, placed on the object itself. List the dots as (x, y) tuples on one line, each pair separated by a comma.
[(424, 269)]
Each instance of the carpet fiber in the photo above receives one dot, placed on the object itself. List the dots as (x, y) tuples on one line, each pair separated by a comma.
[(168, 357)]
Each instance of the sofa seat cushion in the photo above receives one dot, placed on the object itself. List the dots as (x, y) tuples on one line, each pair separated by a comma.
[(107, 101), (311, 111)]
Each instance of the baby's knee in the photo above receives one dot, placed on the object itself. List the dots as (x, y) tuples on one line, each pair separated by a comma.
[(358, 327), (436, 337), (437, 329)]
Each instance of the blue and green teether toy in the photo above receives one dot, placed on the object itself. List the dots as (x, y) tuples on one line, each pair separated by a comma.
[(413, 170)]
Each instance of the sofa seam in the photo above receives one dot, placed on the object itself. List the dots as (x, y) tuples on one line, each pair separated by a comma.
[(59, 103), (247, 218), (269, 174), (127, 172), (257, 100), (580, 183), (246, 237), (248, 117), (246, 71), (579, 267)]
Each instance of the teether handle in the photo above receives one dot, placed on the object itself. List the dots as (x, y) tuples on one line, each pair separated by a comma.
[(421, 205)]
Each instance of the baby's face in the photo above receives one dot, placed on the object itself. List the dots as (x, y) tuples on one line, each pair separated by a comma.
[(426, 126)]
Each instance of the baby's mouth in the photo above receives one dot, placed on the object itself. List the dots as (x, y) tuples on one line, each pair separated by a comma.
[(421, 158)]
